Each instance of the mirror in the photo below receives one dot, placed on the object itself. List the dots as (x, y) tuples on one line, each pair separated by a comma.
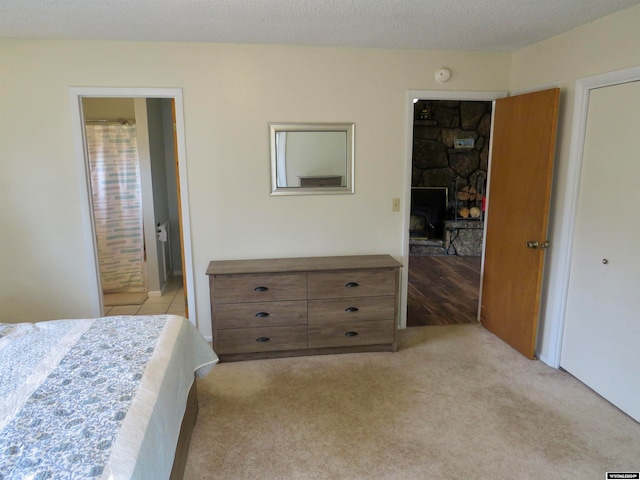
[(311, 158)]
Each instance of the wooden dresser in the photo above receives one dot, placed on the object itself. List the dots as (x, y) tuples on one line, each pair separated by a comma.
[(303, 306)]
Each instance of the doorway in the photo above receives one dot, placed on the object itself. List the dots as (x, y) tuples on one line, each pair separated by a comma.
[(513, 252), (434, 95), (131, 153), (158, 110), (449, 167)]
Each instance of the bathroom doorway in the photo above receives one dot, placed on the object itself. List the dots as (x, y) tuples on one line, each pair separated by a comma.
[(131, 152), (159, 134)]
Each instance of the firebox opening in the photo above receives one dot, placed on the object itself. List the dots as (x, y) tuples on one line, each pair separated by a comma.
[(428, 212)]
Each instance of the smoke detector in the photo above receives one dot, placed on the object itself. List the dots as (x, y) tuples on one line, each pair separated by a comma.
[(443, 75)]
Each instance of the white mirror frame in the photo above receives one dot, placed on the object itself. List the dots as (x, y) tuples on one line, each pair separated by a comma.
[(348, 128)]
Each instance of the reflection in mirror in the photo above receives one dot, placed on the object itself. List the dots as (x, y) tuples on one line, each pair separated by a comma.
[(305, 156), (311, 159)]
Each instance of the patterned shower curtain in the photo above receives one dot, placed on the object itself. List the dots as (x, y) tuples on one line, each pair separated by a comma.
[(117, 204)]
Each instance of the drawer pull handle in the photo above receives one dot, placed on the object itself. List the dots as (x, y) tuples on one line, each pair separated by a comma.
[(262, 339), (352, 285), (351, 309), (262, 314), (261, 289), (351, 334)]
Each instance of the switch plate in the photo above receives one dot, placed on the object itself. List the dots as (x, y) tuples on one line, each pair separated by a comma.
[(395, 205)]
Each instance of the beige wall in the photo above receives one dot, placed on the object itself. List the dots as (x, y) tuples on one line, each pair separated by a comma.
[(609, 44), (231, 93)]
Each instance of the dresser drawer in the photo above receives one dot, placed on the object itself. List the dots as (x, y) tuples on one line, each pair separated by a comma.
[(355, 309), (358, 283), (261, 339), (351, 334), (258, 288), (262, 314)]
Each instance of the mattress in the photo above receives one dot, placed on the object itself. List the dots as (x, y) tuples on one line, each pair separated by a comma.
[(96, 398)]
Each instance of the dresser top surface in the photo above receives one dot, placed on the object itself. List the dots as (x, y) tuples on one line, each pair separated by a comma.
[(304, 264)]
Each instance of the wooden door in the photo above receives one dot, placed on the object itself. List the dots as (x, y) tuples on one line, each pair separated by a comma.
[(518, 205), (602, 323)]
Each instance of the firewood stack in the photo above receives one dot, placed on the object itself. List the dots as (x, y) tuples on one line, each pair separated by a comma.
[(469, 195)]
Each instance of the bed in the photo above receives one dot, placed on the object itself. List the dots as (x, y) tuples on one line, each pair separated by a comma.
[(105, 398)]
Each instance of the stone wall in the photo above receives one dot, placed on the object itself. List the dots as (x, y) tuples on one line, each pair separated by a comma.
[(437, 123)]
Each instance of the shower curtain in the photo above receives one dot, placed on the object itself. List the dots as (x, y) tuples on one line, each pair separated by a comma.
[(117, 204)]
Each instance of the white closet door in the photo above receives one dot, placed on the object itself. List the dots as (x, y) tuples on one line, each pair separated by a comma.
[(601, 342)]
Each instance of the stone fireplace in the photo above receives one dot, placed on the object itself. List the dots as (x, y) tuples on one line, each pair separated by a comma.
[(450, 161)]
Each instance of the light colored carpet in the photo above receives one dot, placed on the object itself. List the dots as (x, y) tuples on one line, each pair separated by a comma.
[(453, 403), (114, 299)]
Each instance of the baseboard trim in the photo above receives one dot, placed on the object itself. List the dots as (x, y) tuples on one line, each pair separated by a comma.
[(544, 359)]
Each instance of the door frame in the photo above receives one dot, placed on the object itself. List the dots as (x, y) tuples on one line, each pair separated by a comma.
[(406, 211), (76, 94), (559, 262)]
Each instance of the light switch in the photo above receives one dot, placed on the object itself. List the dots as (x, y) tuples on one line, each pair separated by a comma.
[(395, 205)]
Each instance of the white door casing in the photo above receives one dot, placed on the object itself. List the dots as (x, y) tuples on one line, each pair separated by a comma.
[(75, 96), (428, 95)]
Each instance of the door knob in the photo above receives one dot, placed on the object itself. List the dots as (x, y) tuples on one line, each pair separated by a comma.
[(534, 244)]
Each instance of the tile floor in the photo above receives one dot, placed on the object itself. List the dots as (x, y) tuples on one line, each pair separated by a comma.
[(171, 302)]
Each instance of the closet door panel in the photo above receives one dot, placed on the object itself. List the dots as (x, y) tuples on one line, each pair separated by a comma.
[(602, 323)]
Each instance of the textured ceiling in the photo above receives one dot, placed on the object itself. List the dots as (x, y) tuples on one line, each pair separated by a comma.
[(499, 25)]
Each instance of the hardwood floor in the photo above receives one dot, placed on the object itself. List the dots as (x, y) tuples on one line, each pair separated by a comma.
[(443, 290)]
